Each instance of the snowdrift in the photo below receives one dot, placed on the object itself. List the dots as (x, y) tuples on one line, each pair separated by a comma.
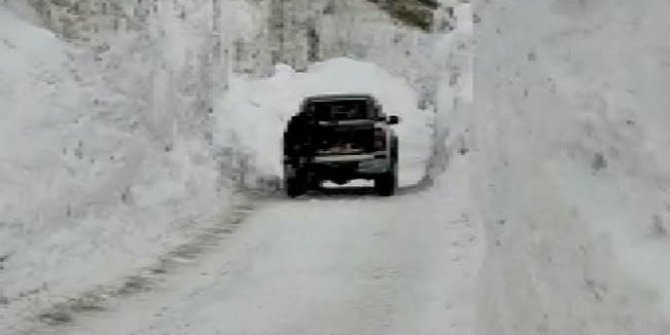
[(87, 192)]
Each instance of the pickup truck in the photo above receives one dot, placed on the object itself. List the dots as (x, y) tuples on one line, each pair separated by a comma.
[(340, 138)]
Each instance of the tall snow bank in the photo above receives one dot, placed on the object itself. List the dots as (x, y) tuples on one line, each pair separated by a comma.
[(87, 192), (254, 113), (453, 58), (573, 170)]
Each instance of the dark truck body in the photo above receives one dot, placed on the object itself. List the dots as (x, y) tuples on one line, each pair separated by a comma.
[(340, 138)]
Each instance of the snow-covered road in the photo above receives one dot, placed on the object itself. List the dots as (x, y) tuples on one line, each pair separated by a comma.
[(321, 264)]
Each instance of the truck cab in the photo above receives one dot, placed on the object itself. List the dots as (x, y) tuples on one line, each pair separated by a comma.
[(340, 138)]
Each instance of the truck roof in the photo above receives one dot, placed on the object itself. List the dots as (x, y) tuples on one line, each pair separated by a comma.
[(337, 97)]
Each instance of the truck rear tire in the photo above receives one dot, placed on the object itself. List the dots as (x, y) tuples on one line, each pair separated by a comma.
[(294, 188), (385, 185), (294, 181), (313, 183)]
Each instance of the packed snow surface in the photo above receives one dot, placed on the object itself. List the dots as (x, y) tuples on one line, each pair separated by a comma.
[(324, 264)]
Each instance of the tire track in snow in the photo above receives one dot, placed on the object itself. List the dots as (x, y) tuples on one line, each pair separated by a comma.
[(63, 314)]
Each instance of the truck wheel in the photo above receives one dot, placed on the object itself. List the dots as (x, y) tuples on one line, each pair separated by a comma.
[(294, 188), (385, 184), (294, 181), (314, 183)]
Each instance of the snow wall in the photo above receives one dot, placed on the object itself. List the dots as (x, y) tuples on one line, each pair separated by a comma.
[(571, 165)]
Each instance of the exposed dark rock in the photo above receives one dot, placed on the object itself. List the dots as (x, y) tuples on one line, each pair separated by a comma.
[(415, 13)]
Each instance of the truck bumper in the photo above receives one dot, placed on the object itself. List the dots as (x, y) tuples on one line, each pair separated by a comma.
[(361, 165)]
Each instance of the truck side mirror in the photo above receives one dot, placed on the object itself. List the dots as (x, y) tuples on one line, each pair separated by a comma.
[(393, 119)]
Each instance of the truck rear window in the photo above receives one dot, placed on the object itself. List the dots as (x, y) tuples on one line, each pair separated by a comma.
[(340, 110)]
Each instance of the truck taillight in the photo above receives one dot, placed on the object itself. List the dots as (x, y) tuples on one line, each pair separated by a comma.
[(380, 139)]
